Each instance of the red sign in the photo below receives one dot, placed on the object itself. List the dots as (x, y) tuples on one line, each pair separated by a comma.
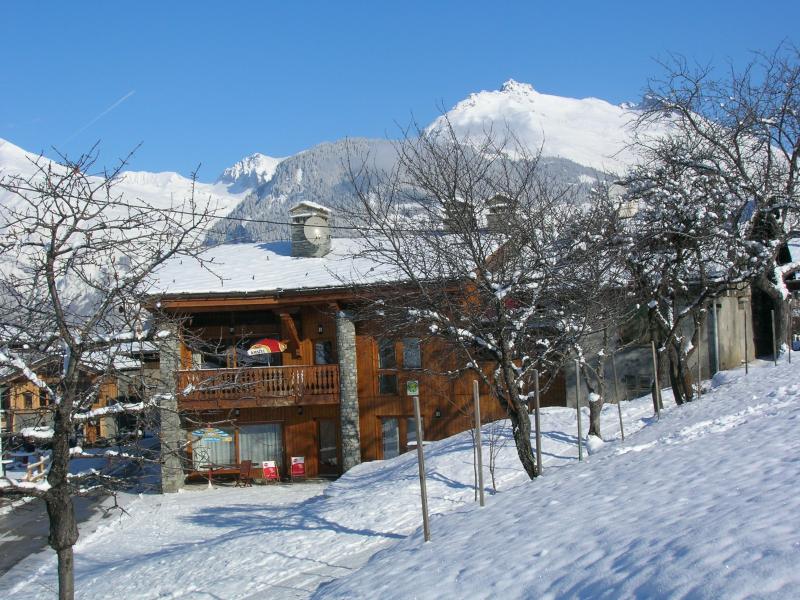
[(298, 466), (270, 470)]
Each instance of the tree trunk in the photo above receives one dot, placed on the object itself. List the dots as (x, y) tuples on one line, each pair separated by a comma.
[(508, 394), (63, 535), (60, 510), (678, 377), (66, 574), (521, 426), (598, 390)]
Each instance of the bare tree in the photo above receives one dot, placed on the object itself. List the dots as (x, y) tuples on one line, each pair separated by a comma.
[(76, 263), (489, 252), (745, 128)]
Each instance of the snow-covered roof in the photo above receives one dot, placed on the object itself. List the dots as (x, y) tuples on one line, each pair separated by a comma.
[(269, 267), (308, 204)]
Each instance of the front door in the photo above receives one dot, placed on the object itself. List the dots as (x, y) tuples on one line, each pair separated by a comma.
[(328, 447)]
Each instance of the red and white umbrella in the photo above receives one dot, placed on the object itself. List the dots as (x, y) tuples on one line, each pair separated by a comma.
[(266, 346)]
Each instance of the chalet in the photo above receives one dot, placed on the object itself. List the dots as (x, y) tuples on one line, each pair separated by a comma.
[(270, 355), (26, 406)]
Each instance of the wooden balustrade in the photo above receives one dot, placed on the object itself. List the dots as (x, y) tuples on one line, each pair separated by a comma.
[(258, 386)]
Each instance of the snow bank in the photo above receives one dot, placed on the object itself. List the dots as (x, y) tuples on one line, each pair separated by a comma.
[(702, 504)]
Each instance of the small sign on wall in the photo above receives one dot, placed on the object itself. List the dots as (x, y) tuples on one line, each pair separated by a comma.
[(412, 387)]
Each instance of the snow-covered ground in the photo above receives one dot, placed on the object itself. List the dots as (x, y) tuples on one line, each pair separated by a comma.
[(703, 503)]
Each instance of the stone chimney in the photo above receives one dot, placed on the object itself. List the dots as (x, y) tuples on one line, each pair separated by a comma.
[(311, 233), (458, 215), (498, 209)]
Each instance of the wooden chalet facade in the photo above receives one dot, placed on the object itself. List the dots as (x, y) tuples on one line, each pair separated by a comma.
[(332, 389), (24, 405)]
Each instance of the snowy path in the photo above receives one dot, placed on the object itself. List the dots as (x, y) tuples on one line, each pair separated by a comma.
[(284, 541)]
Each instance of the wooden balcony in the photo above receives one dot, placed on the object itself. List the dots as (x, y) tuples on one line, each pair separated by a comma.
[(204, 389)]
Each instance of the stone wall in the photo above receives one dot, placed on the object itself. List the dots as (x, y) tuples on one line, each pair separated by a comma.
[(348, 390), (173, 438)]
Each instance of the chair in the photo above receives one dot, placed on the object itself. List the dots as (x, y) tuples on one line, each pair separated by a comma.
[(245, 476)]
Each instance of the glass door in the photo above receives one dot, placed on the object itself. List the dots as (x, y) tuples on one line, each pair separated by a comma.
[(261, 442), (328, 445), (390, 431)]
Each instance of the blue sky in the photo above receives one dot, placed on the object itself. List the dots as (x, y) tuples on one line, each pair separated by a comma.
[(208, 83)]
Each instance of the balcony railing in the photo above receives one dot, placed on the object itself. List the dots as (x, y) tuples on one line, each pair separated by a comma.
[(259, 386)]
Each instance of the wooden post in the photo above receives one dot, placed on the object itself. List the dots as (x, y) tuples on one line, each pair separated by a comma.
[(657, 395), (616, 393), (774, 349), (537, 422), (578, 407), (423, 490), (478, 444), (745, 339)]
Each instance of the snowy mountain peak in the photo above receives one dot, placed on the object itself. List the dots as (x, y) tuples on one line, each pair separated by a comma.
[(250, 172), (589, 131), (513, 86)]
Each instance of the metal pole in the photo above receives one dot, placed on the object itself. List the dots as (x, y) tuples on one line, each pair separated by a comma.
[(745, 339), (774, 349), (616, 393), (478, 444), (716, 338), (790, 335), (536, 422), (2, 464), (699, 363), (578, 407), (657, 395), (423, 490)]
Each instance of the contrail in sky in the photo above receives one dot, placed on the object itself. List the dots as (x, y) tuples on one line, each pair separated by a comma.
[(101, 115)]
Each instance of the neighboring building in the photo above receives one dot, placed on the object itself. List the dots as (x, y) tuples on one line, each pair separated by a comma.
[(728, 331), (272, 356), (24, 405)]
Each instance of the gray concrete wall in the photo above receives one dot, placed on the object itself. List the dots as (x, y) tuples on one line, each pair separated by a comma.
[(635, 364)]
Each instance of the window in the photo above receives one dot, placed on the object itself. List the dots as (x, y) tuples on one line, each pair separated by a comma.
[(328, 454), (261, 442), (213, 452), (412, 354), (323, 353), (390, 432), (27, 399), (5, 404), (386, 355), (387, 383), (387, 359), (43, 399)]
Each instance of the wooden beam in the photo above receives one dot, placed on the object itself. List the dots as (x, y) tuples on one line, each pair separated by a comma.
[(294, 340), (307, 400)]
